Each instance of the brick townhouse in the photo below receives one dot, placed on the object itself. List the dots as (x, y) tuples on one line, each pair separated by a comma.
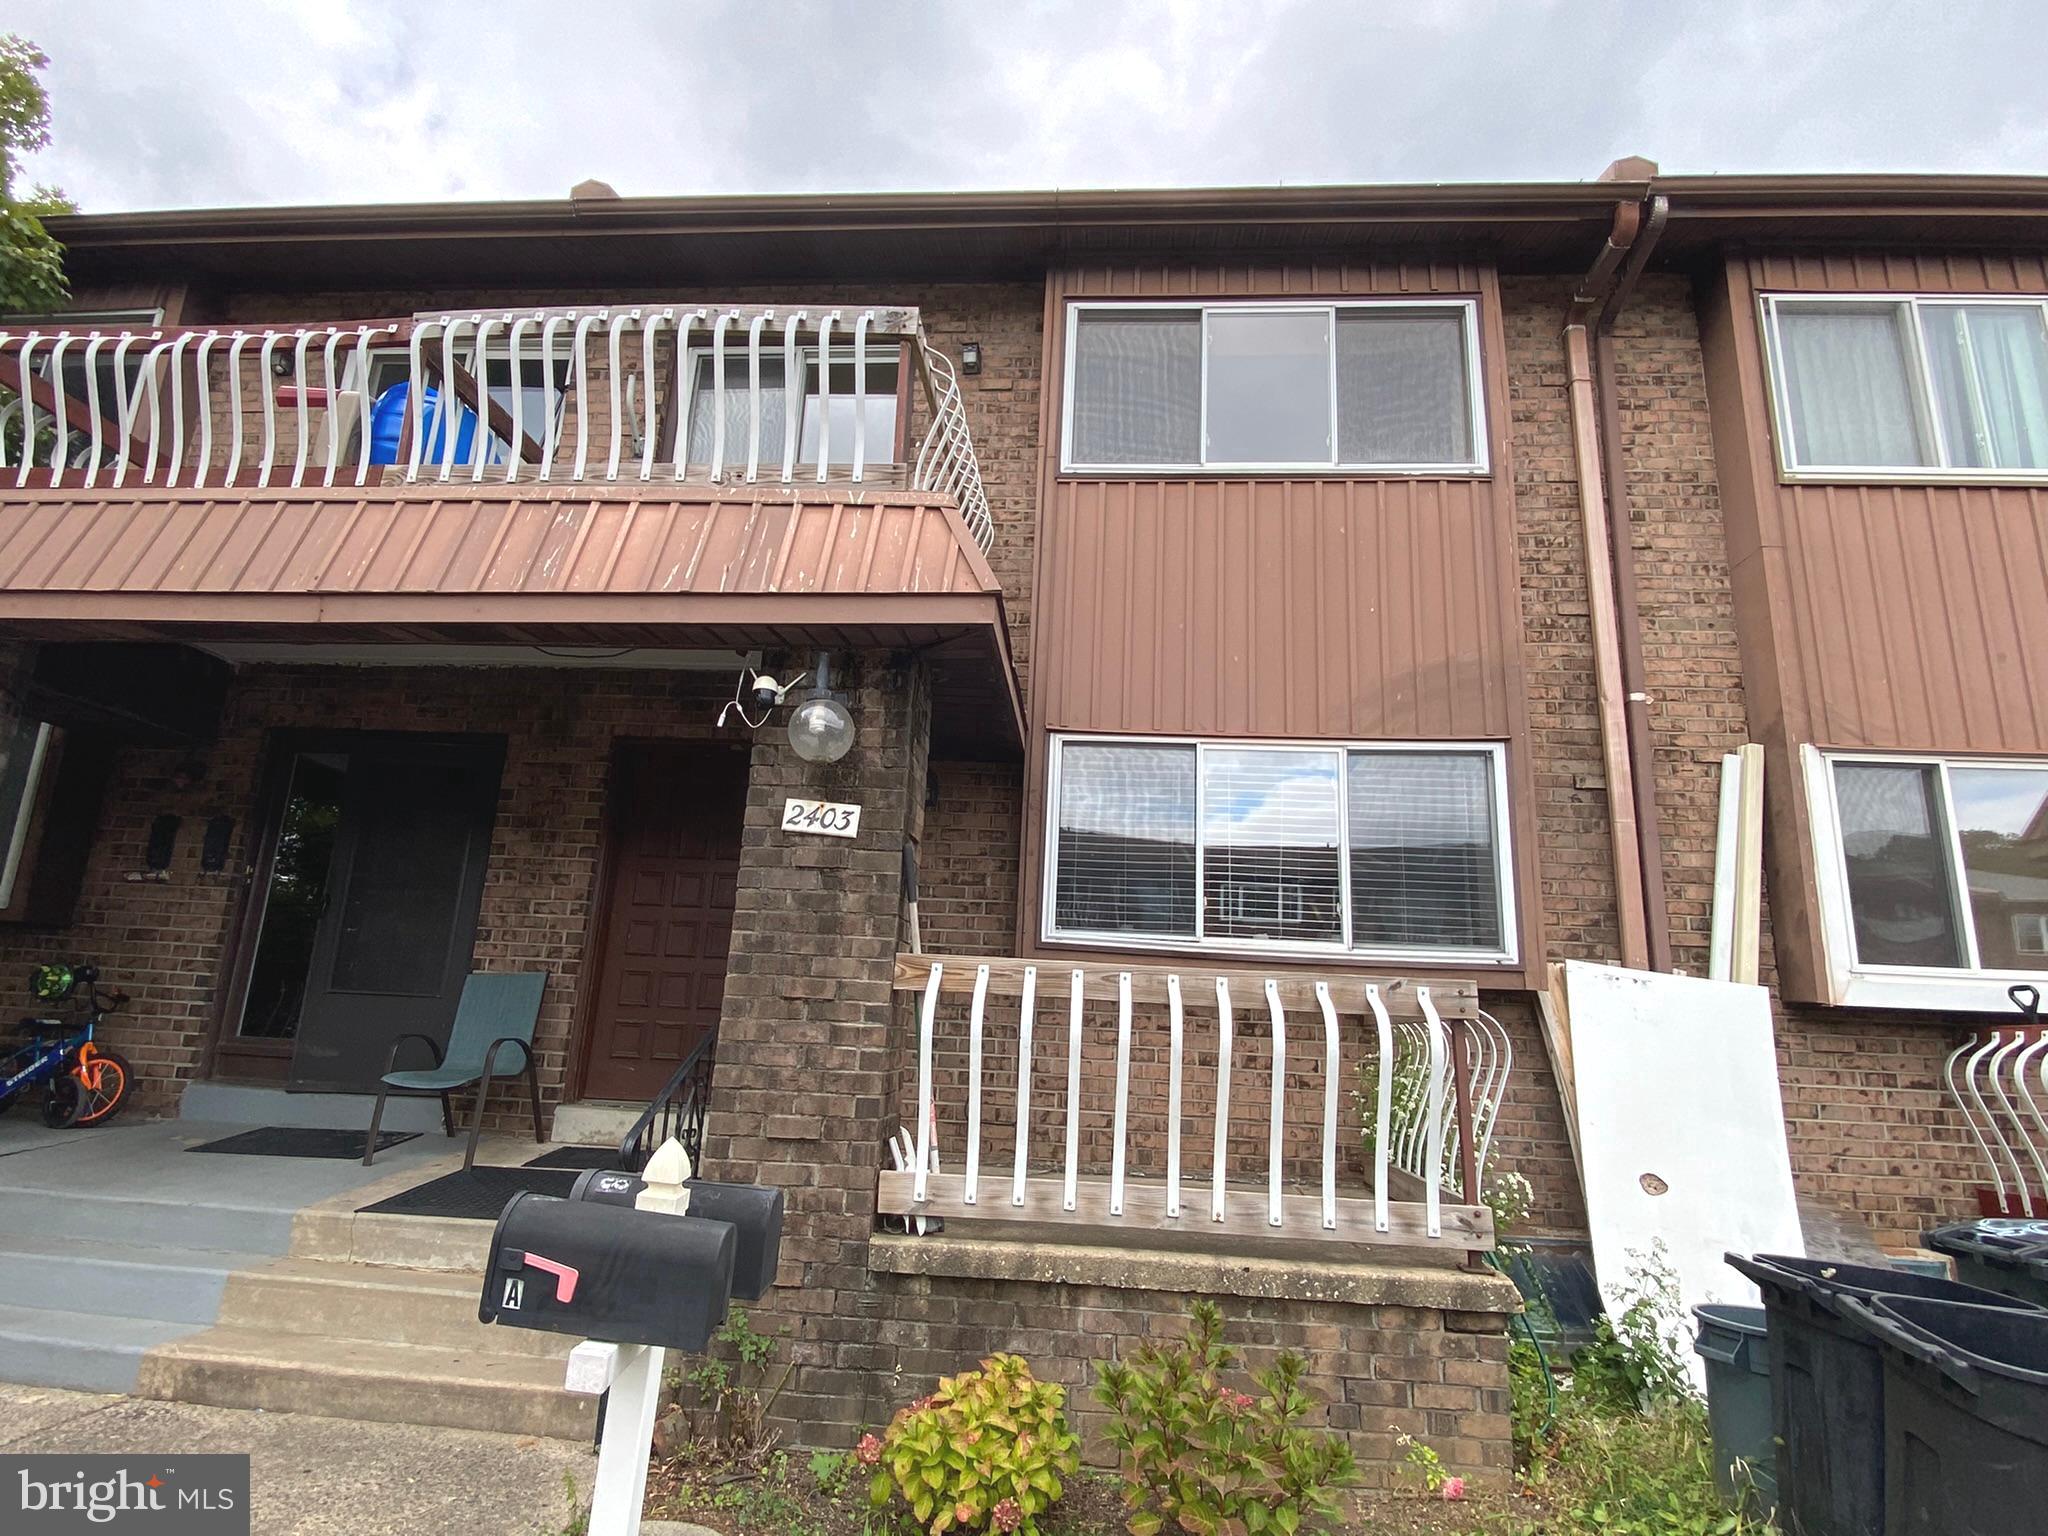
[(1271, 624)]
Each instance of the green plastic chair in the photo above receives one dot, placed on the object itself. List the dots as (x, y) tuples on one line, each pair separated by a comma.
[(498, 1009)]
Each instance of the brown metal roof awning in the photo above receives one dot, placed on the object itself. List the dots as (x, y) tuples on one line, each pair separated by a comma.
[(683, 566)]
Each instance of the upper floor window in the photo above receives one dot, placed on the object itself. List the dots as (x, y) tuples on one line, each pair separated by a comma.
[(824, 416), (1939, 866), (1885, 386), (1380, 386), (1276, 847)]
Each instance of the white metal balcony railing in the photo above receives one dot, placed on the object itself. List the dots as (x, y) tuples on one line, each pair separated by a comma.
[(1991, 1077), (566, 395), (1440, 1082)]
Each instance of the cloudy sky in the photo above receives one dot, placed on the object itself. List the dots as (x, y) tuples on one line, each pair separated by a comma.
[(239, 102)]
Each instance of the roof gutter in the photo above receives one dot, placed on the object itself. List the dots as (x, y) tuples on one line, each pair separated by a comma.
[(1589, 311)]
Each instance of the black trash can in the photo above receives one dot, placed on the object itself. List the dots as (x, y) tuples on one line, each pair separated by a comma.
[(1827, 1385), (1733, 1343), (1966, 1417), (2000, 1253)]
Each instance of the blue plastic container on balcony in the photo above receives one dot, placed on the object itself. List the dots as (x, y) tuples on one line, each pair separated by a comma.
[(387, 427)]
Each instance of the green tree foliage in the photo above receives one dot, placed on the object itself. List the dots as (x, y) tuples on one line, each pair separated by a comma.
[(31, 262)]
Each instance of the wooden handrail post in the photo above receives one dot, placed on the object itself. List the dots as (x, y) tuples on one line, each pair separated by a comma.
[(1468, 1144)]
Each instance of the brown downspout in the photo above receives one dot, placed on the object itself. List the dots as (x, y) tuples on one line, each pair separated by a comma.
[(1641, 744), (1586, 306)]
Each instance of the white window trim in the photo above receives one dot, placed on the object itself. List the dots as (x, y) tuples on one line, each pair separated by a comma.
[(1508, 954), (1475, 387), (1850, 982), (1922, 383)]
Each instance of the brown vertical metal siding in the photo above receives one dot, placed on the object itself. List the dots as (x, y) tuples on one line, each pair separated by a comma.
[(1327, 606), (1274, 608), (1871, 616)]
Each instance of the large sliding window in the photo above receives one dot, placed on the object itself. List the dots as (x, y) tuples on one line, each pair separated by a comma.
[(1942, 863), (1276, 847), (1910, 385), (1375, 386)]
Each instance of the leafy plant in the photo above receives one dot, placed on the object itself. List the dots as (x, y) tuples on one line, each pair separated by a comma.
[(732, 1389), (1633, 1363), (987, 1450), (1214, 1460), (578, 1523), (1422, 1457), (829, 1470)]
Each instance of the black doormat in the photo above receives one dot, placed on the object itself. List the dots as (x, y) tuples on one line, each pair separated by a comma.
[(578, 1158), (301, 1141), (474, 1194)]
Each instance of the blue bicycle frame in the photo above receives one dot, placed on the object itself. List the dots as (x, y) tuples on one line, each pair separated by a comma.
[(42, 1058)]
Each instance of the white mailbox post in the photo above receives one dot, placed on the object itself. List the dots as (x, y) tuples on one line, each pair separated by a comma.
[(632, 1372)]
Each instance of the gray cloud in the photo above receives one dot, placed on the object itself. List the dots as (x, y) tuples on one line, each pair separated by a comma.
[(287, 101)]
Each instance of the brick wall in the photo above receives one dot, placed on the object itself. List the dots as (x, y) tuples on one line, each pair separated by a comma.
[(1379, 1370), (968, 859), (1869, 1125), (807, 1043), (166, 944)]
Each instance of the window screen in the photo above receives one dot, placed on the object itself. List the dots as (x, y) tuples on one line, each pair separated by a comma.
[(2001, 817), (1424, 871), (1895, 845), (1126, 839), (1137, 395), (1403, 393)]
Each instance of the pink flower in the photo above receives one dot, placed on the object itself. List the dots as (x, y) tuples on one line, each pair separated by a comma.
[(869, 1451), (1454, 1488), (1006, 1515)]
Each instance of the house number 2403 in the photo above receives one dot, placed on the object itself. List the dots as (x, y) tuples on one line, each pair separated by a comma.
[(821, 818)]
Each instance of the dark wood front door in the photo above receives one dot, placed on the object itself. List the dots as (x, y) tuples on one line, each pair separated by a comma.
[(673, 820)]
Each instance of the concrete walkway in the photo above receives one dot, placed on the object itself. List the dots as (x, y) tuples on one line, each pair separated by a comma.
[(326, 1477)]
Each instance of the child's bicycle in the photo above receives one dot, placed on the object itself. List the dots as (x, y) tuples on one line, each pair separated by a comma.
[(83, 1084)]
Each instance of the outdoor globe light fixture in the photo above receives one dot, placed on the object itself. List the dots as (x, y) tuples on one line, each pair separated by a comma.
[(821, 727)]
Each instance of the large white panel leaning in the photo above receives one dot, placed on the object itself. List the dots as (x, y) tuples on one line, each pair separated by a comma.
[(1681, 1130)]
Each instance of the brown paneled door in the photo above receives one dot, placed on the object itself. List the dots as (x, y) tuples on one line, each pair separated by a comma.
[(673, 857)]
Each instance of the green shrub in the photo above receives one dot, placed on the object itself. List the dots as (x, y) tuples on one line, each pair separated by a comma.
[(986, 1450), (1211, 1459), (1633, 1363)]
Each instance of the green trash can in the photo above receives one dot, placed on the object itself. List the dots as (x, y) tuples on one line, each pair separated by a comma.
[(1734, 1341), (1998, 1253)]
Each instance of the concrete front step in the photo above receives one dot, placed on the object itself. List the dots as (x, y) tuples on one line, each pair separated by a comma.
[(137, 1221), (595, 1123), (404, 1242), (85, 1351), (106, 1279), (435, 1308), (357, 1379)]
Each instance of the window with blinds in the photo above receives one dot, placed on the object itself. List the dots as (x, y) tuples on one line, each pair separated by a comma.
[(1368, 385), (1391, 850)]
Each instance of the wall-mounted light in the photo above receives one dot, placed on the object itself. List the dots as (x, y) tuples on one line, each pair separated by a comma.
[(821, 727), (970, 357)]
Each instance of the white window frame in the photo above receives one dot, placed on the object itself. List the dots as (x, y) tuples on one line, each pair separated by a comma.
[(1920, 380), (1508, 954), (1850, 981), (1475, 386)]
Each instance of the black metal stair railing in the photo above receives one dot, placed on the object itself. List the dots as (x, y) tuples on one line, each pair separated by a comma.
[(678, 1110)]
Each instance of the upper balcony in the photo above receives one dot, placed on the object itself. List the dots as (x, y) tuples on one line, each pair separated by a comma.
[(726, 476), (723, 396)]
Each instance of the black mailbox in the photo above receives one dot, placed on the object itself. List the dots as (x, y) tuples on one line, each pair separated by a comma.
[(755, 1209), (603, 1272)]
